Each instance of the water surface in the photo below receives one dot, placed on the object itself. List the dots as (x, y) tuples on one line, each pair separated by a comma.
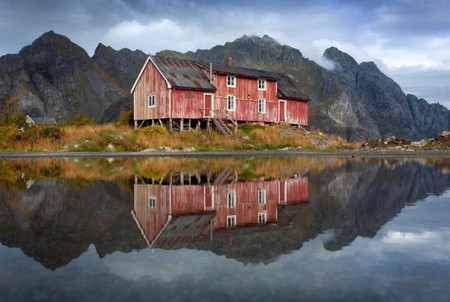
[(266, 229)]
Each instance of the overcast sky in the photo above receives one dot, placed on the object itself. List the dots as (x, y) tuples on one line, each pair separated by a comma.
[(408, 39)]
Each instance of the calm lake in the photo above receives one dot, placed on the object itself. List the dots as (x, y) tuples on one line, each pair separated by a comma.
[(228, 229)]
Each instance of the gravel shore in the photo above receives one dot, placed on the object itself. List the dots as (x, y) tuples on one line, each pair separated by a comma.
[(219, 154)]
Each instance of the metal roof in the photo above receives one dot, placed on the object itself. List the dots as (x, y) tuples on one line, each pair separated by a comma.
[(244, 72), (188, 74), (183, 73), (289, 88)]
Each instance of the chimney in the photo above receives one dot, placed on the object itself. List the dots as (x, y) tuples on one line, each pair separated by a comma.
[(228, 61)]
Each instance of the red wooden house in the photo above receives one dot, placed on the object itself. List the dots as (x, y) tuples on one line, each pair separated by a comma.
[(186, 93)]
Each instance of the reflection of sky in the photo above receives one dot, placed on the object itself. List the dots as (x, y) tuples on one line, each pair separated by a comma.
[(415, 245), (408, 259)]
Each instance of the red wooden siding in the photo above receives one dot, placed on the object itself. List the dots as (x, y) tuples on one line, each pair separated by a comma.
[(151, 82), (247, 206), (296, 112), (179, 102), (296, 190), (187, 104), (247, 95), (152, 220), (179, 200)]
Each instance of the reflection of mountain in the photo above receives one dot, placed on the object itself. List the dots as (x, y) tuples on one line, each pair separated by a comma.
[(56, 221), (361, 198), (253, 221)]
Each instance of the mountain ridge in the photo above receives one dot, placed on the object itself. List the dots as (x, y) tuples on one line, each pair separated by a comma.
[(55, 77)]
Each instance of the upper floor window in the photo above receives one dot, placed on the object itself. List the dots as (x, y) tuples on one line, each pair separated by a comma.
[(262, 195), (231, 81), (261, 106), (231, 103), (152, 202), (231, 199), (151, 100), (261, 84)]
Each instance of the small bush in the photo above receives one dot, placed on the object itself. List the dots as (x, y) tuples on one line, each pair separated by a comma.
[(8, 135), (125, 118), (104, 138), (248, 128), (80, 120), (51, 132), (153, 129)]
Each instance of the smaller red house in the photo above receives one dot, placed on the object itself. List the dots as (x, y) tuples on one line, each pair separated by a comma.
[(184, 93)]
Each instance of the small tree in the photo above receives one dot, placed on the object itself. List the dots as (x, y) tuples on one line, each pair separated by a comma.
[(125, 118), (11, 115), (80, 120)]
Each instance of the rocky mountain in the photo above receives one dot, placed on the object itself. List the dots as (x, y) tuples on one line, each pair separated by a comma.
[(55, 77), (393, 112), (356, 101)]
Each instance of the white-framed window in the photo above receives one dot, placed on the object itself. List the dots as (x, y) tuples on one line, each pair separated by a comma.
[(261, 84), (231, 221), (231, 199), (151, 100), (262, 217), (262, 106), (231, 81), (231, 103), (152, 202), (262, 196)]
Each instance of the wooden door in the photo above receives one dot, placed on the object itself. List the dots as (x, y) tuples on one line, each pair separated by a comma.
[(209, 197), (208, 105), (282, 106), (282, 192)]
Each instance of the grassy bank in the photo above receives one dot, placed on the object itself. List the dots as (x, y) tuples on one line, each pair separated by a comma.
[(116, 138)]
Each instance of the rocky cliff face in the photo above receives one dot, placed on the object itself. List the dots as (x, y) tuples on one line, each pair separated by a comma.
[(55, 77), (356, 101), (393, 112)]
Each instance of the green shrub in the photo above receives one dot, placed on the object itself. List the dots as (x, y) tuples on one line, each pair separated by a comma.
[(80, 120), (125, 118), (51, 132), (153, 129), (248, 128), (104, 138), (8, 135)]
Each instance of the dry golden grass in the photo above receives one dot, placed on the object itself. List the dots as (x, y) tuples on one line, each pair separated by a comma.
[(125, 138)]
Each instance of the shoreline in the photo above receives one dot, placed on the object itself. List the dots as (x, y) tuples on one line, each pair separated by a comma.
[(227, 154)]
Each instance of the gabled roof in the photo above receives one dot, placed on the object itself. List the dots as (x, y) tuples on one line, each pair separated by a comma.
[(179, 73), (183, 73), (179, 231), (289, 88), (188, 74)]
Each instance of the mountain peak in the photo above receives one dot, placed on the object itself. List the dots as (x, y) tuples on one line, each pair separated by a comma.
[(344, 63), (250, 51), (53, 45)]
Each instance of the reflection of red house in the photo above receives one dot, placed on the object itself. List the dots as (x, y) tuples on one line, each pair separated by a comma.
[(171, 214)]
